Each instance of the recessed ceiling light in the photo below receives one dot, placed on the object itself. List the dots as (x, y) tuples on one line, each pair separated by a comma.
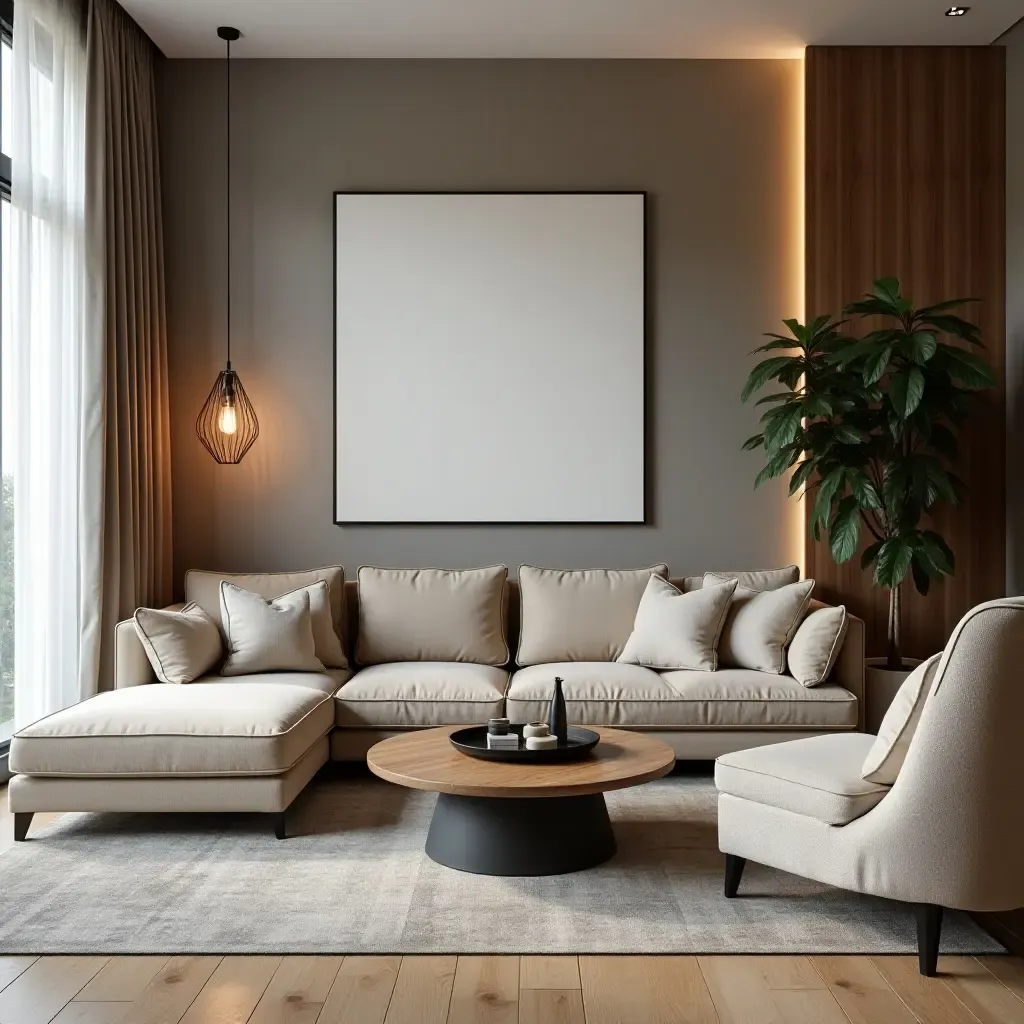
[(957, 12)]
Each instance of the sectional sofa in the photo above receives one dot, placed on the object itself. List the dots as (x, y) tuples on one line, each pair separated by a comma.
[(424, 648)]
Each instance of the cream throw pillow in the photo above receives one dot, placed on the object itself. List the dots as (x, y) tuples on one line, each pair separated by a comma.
[(817, 643), (889, 751), (760, 579), (182, 645), (267, 636), (676, 630), (760, 624), (325, 639)]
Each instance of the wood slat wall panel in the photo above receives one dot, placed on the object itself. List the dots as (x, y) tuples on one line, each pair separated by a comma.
[(906, 172)]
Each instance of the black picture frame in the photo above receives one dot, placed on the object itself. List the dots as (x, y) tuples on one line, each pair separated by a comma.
[(645, 352)]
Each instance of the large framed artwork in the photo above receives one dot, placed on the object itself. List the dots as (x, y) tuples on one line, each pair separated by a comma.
[(489, 357)]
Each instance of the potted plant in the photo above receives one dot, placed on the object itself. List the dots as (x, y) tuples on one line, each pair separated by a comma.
[(869, 427)]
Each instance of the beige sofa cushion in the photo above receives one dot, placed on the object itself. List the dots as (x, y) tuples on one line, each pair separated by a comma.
[(432, 615), (245, 726), (421, 694), (267, 636), (817, 777), (180, 645), (756, 579), (889, 750), (602, 693), (816, 643), (760, 624), (204, 589), (578, 615), (674, 630)]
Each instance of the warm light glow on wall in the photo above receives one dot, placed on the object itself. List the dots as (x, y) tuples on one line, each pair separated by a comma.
[(798, 249)]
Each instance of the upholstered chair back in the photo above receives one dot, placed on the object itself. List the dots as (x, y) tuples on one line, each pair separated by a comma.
[(956, 810)]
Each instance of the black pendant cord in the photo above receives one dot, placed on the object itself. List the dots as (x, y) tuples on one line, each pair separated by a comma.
[(227, 179)]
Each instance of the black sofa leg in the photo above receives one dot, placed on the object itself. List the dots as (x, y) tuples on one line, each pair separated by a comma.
[(733, 873), (21, 824), (929, 928), (279, 824)]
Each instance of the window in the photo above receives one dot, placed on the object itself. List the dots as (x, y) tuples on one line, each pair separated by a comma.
[(7, 434)]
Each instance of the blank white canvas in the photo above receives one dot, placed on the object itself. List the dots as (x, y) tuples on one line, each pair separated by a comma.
[(490, 358)]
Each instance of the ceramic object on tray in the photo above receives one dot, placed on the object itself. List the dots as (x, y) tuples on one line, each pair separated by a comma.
[(577, 746)]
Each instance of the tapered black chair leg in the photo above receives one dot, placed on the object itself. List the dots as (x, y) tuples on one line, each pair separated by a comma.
[(22, 821), (733, 873), (929, 928), (280, 820)]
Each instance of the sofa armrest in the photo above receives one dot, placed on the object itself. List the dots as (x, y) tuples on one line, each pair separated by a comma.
[(131, 665), (849, 668)]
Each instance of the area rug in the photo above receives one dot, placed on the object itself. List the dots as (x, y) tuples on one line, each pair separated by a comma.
[(353, 878)]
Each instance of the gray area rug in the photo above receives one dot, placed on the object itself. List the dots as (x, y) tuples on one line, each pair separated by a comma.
[(354, 879)]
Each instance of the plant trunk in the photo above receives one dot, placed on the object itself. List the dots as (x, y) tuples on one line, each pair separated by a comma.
[(894, 655)]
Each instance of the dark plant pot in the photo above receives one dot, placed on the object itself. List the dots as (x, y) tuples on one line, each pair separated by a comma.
[(881, 685)]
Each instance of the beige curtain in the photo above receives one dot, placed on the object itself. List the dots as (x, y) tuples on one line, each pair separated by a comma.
[(128, 308)]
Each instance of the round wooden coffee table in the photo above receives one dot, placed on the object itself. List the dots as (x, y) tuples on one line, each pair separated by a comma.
[(494, 818)]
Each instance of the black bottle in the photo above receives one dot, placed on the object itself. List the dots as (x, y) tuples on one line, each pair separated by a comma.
[(557, 722)]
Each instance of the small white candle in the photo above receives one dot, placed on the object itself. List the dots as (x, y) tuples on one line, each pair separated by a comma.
[(536, 729), (541, 742)]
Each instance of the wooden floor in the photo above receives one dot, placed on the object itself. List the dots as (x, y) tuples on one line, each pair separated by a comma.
[(502, 989)]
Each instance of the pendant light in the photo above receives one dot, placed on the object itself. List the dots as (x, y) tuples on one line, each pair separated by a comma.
[(227, 423)]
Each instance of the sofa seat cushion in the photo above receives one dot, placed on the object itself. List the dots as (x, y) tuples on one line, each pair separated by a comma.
[(609, 693), (740, 698), (817, 777), (250, 725), (421, 694)]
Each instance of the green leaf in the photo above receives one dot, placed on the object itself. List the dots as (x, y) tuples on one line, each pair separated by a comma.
[(956, 326), (887, 289), (921, 346), (970, 370), (777, 465), (864, 490), (941, 307), (943, 440), (869, 554), (800, 476), (922, 579), (781, 427), (906, 391), (827, 490), (753, 442), (779, 396), (938, 552), (876, 365), (893, 562), (844, 536), (847, 434), (765, 371)]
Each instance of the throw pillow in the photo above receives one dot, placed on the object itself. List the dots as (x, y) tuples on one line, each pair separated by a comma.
[(578, 614), (889, 751), (760, 579), (267, 636), (181, 645), (676, 630), (760, 624), (432, 615), (325, 639), (817, 643)]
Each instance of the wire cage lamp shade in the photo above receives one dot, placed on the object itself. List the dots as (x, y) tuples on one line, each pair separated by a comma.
[(227, 423)]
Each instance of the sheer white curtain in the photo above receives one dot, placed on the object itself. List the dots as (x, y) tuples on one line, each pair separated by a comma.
[(58, 375)]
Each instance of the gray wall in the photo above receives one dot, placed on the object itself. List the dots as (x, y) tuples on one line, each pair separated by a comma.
[(715, 143), (1015, 310)]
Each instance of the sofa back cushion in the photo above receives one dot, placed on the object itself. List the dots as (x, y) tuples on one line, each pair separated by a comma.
[(750, 579), (578, 615), (432, 615), (204, 589)]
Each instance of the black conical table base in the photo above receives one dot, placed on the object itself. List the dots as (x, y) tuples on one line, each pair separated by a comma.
[(520, 836)]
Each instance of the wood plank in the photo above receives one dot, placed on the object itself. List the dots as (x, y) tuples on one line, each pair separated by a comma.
[(740, 992), (92, 1013), (928, 998), (549, 972), (789, 972), (124, 978), (423, 990), (551, 1006), (892, 189), (12, 967), (38, 995), (981, 992), (486, 989), (166, 998), (1008, 969), (655, 989), (809, 1006), (362, 990), (234, 989), (297, 992), (861, 991)]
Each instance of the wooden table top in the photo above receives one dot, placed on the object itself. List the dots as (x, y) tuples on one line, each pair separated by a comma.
[(427, 760)]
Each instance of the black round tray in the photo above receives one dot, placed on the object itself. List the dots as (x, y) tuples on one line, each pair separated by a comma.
[(473, 741)]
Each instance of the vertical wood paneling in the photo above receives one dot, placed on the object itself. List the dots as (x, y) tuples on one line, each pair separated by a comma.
[(906, 174)]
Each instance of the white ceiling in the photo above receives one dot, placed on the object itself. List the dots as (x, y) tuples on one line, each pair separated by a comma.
[(559, 28)]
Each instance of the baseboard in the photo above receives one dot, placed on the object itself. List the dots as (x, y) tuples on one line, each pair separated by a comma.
[(1007, 927)]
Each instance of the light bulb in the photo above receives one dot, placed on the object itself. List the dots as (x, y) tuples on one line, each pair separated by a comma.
[(227, 421)]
